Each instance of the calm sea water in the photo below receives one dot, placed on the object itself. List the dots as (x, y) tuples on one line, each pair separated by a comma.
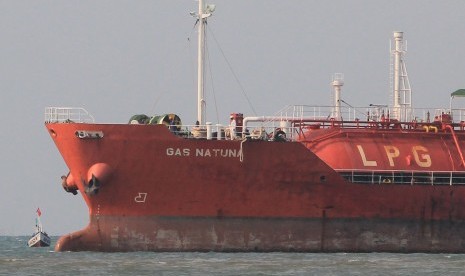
[(17, 259)]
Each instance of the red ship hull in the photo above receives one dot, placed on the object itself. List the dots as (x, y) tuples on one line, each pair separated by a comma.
[(148, 189)]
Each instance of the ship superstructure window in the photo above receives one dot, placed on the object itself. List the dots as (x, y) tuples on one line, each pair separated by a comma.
[(404, 177)]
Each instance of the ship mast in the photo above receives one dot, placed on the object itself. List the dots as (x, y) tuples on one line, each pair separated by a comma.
[(402, 102), (202, 15), (38, 222), (337, 83)]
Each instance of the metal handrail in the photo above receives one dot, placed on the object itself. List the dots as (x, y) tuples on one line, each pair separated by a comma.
[(404, 177), (67, 115), (369, 113)]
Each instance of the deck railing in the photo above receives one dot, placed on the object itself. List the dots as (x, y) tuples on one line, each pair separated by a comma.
[(67, 115), (369, 113), (404, 177), (292, 120)]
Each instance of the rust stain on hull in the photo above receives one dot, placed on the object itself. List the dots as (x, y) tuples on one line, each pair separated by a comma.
[(265, 235)]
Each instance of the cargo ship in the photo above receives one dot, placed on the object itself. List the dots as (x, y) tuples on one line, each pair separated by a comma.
[(306, 179)]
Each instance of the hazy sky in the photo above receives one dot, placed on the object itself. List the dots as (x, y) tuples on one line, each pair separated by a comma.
[(118, 58)]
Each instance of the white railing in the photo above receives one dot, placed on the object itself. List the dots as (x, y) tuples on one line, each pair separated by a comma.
[(67, 115), (370, 113), (404, 177)]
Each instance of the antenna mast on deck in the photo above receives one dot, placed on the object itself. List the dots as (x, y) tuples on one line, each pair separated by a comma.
[(202, 15), (337, 83), (402, 94)]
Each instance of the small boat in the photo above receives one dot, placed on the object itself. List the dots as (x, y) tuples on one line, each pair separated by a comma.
[(40, 238)]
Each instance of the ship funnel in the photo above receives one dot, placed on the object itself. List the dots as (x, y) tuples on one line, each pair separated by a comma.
[(337, 83)]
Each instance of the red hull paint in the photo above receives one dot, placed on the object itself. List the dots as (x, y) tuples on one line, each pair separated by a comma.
[(386, 149), (161, 192)]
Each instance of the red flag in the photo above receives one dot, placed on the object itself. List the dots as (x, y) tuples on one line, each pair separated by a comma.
[(39, 212)]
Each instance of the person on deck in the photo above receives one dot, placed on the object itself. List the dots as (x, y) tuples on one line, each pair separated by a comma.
[(232, 126)]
